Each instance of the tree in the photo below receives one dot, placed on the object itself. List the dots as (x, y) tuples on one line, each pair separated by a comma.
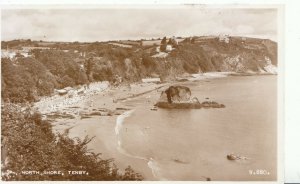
[(18, 55), (36, 53), (66, 81), (19, 82), (170, 42), (163, 48), (164, 41), (88, 64), (193, 40)]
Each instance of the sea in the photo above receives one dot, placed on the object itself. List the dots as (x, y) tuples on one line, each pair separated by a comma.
[(193, 144)]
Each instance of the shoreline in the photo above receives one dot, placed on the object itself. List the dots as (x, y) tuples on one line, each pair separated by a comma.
[(150, 161), (104, 127)]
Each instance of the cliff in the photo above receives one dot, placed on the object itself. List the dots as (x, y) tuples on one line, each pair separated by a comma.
[(243, 55), (238, 55), (70, 64)]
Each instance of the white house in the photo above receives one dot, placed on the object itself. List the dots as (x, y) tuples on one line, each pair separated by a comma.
[(27, 49), (224, 38), (8, 53), (175, 40), (157, 49), (169, 48)]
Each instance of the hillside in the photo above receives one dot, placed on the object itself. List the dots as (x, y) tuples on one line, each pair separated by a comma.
[(250, 55), (29, 145), (46, 66)]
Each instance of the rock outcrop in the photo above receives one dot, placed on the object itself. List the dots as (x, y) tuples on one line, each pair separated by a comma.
[(179, 97), (189, 105), (177, 94)]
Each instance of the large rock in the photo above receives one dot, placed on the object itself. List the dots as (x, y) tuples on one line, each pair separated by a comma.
[(177, 94), (179, 97)]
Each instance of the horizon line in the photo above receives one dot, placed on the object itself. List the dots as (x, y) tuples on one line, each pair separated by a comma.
[(141, 39)]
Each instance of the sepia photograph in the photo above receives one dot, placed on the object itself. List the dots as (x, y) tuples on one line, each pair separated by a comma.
[(140, 93)]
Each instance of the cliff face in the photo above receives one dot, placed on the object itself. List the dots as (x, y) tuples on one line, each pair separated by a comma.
[(49, 69), (239, 55), (235, 54)]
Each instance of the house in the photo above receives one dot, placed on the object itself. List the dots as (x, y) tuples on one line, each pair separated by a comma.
[(82, 54), (169, 48), (11, 53), (175, 41), (28, 49), (157, 49), (25, 54), (224, 38), (8, 53)]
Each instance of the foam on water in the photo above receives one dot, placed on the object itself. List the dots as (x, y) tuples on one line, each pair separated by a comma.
[(152, 164), (120, 120)]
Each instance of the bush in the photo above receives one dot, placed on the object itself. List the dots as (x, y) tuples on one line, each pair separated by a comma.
[(66, 81), (29, 144), (163, 47), (164, 41), (20, 84), (27, 78)]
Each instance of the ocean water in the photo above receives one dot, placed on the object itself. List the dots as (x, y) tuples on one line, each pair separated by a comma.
[(192, 144)]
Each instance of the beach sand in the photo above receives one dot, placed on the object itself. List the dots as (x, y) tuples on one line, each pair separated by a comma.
[(103, 128), (105, 141)]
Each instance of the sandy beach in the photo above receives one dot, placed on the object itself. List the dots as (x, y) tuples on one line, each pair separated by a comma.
[(80, 119), (105, 115), (76, 114)]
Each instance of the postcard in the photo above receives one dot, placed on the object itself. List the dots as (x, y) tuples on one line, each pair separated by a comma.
[(141, 93)]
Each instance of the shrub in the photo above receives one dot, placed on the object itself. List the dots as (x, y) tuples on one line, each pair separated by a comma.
[(29, 144)]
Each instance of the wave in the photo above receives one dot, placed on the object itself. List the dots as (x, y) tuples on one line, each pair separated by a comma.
[(152, 164), (120, 120)]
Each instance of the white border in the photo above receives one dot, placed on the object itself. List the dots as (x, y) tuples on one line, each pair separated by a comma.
[(288, 60)]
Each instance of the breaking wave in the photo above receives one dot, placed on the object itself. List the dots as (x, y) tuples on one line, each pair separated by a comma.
[(152, 164)]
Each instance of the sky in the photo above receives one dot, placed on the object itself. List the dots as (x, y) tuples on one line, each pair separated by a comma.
[(119, 23)]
